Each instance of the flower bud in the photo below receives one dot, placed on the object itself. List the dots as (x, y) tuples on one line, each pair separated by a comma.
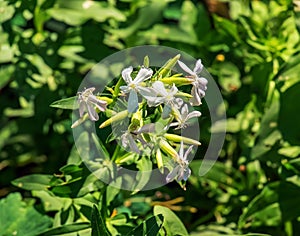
[(178, 138), (119, 116)]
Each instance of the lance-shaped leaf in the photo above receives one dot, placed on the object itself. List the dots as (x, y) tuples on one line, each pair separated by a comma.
[(66, 103)]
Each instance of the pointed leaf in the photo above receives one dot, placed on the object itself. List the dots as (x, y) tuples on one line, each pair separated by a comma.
[(149, 227), (98, 224), (171, 221), (67, 103)]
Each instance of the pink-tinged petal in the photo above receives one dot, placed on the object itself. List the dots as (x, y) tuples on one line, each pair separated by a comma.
[(195, 100), (126, 74), (143, 74), (187, 152), (184, 111), (181, 151), (202, 80), (89, 90), (193, 114), (101, 105), (173, 174), (92, 113), (81, 108), (178, 102), (198, 67), (160, 88), (185, 68)]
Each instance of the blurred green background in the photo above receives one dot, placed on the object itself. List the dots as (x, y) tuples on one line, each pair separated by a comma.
[(251, 48)]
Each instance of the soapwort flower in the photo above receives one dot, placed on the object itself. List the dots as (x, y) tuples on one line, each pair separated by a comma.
[(134, 86), (88, 102), (199, 83), (160, 95), (181, 171), (184, 116)]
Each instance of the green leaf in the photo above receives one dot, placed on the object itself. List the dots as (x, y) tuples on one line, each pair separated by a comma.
[(61, 230), (143, 176), (98, 224), (77, 12), (289, 114), (6, 73), (17, 218), (7, 11), (226, 177), (33, 182), (171, 222), (276, 203), (149, 227), (227, 26), (229, 76), (66, 103)]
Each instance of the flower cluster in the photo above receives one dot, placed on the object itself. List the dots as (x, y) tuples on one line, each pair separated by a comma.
[(158, 105)]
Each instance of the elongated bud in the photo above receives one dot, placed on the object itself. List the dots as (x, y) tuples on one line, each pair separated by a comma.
[(182, 94), (168, 149), (119, 116), (146, 62), (176, 80), (166, 68), (106, 99), (178, 138), (80, 121), (159, 160)]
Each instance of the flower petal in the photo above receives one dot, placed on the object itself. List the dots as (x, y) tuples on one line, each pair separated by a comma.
[(166, 111), (173, 174), (160, 88), (132, 145), (193, 114), (195, 100), (125, 88), (81, 108), (198, 67), (126, 74), (184, 112), (178, 102), (133, 103), (202, 80), (185, 68), (101, 105), (187, 152), (143, 74), (186, 173), (93, 115), (181, 151), (173, 90)]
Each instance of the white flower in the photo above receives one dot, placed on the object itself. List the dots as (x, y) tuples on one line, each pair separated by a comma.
[(87, 102), (181, 171), (134, 86), (184, 116), (199, 83), (159, 94)]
